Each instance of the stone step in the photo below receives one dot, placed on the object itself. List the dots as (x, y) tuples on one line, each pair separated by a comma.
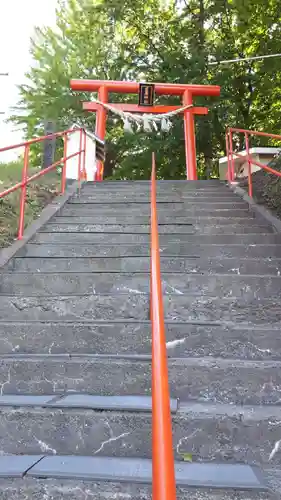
[(130, 338), (162, 200), (160, 184), (136, 220), (160, 189), (49, 284), (169, 186), (101, 204), (234, 310), (165, 239), (57, 227), (162, 196), (161, 192), (217, 251), (123, 198), (199, 184), (209, 433), (221, 195), (112, 197), (179, 264), (136, 306), (107, 211), (212, 196), (122, 205), (203, 380), (216, 204), (76, 489)]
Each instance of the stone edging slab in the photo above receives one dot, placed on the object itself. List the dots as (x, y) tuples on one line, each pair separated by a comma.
[(202, 475), (84, 401)]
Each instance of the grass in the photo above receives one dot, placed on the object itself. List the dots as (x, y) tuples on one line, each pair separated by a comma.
[(39, 194)]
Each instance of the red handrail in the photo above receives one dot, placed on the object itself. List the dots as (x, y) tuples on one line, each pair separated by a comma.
[(25, 181), (163, 470), (248, 158)]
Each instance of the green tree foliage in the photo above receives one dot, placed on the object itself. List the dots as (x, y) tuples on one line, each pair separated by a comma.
[(158, 40)]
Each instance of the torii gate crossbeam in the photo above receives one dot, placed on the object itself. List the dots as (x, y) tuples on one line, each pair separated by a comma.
[(186, 92)]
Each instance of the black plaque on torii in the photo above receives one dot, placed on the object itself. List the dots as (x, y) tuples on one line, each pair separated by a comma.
[(146, 94)]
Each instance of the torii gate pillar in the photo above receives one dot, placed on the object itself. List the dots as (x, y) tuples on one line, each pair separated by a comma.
[(187, 92), (101, 126), (189, 136)]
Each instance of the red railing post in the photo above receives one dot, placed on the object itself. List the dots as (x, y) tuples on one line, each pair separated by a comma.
[(227, 154), (163, 470), (23, 192), (232, 168), (63, 174), (84, 155), (250, 184), (79, 158)]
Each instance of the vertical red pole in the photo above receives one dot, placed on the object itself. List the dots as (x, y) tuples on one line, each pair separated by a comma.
[(63, 174), (84, 156), (101, 126), (232, 169), (23, 192), (228, 158), (79, 157), (250, 184), (189, 135)]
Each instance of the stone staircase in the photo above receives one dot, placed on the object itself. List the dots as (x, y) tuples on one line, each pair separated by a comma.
[(75, 340)]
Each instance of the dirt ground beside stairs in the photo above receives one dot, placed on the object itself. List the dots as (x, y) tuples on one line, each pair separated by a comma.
[(267, 187)]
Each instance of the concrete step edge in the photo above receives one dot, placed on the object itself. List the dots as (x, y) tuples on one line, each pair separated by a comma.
[(141, 273), (74, 356), (143, 198), (209, 274), (133, 245), (144, 229), (147, 224), (61, 215), (227, 240), (211, 324), (206, 362), (116, 321), (137, 404), (125, 202), (203, 259)]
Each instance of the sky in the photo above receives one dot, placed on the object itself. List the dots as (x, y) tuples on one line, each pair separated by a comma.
[(17, 21)]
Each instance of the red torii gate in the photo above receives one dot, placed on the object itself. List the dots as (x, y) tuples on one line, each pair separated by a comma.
[(186, 92)]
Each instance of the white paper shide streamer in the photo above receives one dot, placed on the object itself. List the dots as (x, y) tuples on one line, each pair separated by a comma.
[(133, 122)]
